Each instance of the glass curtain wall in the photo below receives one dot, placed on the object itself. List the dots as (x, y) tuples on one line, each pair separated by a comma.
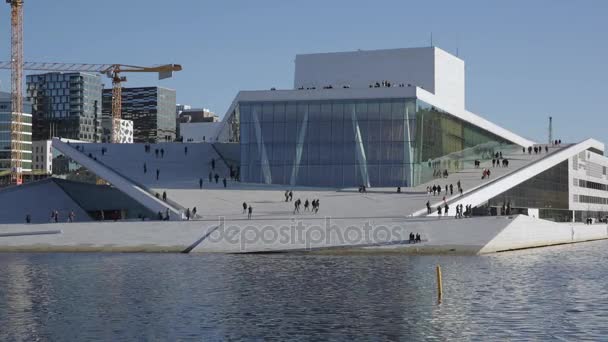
[(388, 142)]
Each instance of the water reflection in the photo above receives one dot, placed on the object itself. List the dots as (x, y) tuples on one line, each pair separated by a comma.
[(546, 293)]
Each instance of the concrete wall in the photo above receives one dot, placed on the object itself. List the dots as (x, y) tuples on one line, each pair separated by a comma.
[(38, 200), (359, 69), (527, 232)]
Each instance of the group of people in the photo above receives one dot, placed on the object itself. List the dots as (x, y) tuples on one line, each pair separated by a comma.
[(162, 217), (537, 149), (449, 189), (54, 217), (190, 214), (312, 206), (437, 173), (247, 209), (486, 174), (362, 189), (415, 238), (461, 211)]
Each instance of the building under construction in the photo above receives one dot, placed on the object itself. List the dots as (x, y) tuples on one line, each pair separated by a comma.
[(6, 140)]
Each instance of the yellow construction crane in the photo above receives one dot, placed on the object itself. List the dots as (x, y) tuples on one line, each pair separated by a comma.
[(16, 66), (113, 71)]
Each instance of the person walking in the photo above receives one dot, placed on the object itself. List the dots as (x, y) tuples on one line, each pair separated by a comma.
[(250, 212), (306, 205), (217, 178), (186, 150), (162, 153), (28, 218), (225, 182), (296, 206), (451, 189), (446, 209), (200, 183), (213, 164), (188, 214), (244, 207), (194, 213), (145, 168), (428, 207), (157, 173), (210, 177), (165, 196), (290, 196), (156, 153)]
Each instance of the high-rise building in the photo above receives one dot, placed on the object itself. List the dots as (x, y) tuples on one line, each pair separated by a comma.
[(66, 105), (152, 110), (5, 134)]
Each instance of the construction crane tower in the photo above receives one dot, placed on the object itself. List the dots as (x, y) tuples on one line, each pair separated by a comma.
[(16, 89)]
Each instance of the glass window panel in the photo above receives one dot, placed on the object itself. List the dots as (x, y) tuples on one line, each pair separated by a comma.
[(373, 111), (373, 152), (325, 154), (360, 110), (398, 130), (291, 132), (325, 132), (302, 109), (337, 176), (326, 111), (313, 154), (278, 175), (387, 130), (256, 111), (314, 112), (245, 113), (244, 127), (398, 110), (267, 135), (267, 112), (349, 175), (375, 131), (373, 172), (337, 114), (337, 131), (279, 112), (385, 110), (337, 152), (313, 132), (349, 154), (302, 178), (279, 132)]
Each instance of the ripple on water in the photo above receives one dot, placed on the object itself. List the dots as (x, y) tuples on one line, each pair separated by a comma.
[(552, 293)]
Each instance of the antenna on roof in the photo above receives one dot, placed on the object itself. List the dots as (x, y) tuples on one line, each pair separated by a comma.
[(550, 129)]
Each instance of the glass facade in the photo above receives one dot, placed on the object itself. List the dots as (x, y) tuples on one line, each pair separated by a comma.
[(340, 143), (548, 190), (66, 105), (152, 110), (6, 119)]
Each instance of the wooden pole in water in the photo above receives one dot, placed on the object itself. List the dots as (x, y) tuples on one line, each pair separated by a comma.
[(439, 285)]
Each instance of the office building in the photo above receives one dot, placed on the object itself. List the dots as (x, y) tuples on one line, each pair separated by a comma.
[(66, 105), (6, 149), (152, 110)]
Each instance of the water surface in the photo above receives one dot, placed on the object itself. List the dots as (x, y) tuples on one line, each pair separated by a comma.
[(549, 293)]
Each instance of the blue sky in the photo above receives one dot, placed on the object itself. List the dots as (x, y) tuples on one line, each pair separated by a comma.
[(525, 60)]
